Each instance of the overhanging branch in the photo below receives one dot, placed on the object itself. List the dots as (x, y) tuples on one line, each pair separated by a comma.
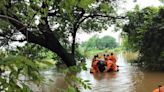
[(20, 40), (12, 19), (103, 16), (23, 29)]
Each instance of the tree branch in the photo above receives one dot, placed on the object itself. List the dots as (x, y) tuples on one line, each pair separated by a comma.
[(23, 29), (20, 40), (15, 20), (99, 15), (53, 14)]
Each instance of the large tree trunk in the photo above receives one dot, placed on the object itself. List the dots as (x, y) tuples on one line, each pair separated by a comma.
[(54, 45), (47, 40), (51, 42)]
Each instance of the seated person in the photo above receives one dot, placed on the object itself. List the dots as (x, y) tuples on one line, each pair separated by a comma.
[(101, 65), (111, 66), (112, 58), (95, 68)]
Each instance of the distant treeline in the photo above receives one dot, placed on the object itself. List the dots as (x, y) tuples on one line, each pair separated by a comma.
[(100, 43)]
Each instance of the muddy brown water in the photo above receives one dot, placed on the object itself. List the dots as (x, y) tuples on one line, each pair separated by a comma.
[(128, 79)]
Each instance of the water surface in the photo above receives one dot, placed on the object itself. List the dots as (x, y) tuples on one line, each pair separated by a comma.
[(128, 79)]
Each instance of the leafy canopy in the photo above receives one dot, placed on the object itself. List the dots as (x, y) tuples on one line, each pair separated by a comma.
[(63, 16), (144, 31)]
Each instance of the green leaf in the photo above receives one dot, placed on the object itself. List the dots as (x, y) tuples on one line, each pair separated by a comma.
[(89, 87), (85, 86), (30, 63), (104, 7), (68, 5), (85, 3), (86, 80), (2, 5), (25, 88), (71, 89)]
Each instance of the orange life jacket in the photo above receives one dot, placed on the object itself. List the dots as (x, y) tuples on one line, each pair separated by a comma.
[(112, 58), (111, 65), (94, 63), (161, 89), (94, 66)]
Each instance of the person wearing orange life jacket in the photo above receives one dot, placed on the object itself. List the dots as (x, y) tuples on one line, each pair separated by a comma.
[(95, 68), (113, 58), (110, 64), (101, 64), (160, 89), (105, 59)]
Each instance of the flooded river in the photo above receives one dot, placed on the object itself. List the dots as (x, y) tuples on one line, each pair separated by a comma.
[(128, 79)]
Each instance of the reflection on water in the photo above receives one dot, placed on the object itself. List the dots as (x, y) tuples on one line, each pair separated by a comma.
[(128, 79)]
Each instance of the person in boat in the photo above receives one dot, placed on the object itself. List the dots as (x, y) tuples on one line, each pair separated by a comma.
[(110, 65), (95, 61), (112, 58), (105, 57), (101, 63), (159, 89)]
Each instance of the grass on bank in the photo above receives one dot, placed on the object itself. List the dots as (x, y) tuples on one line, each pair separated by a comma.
[(92, 52), (131, 56)]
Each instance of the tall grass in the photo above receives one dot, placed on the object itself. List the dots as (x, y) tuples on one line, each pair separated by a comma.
[(131, 56)]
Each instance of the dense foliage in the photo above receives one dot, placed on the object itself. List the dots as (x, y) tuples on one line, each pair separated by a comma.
[(17, 72), (20, 67), (50, 23), (100, 43), (145, 33)]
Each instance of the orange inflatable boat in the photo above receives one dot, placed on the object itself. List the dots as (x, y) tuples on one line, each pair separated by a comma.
[(159, 89)]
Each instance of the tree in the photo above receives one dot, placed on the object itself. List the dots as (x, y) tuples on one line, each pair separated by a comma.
[(138, 23), (91, 43), (100, 43), (144, 31), (107, 42), (162, 1), (50, 22), (153, 49)]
